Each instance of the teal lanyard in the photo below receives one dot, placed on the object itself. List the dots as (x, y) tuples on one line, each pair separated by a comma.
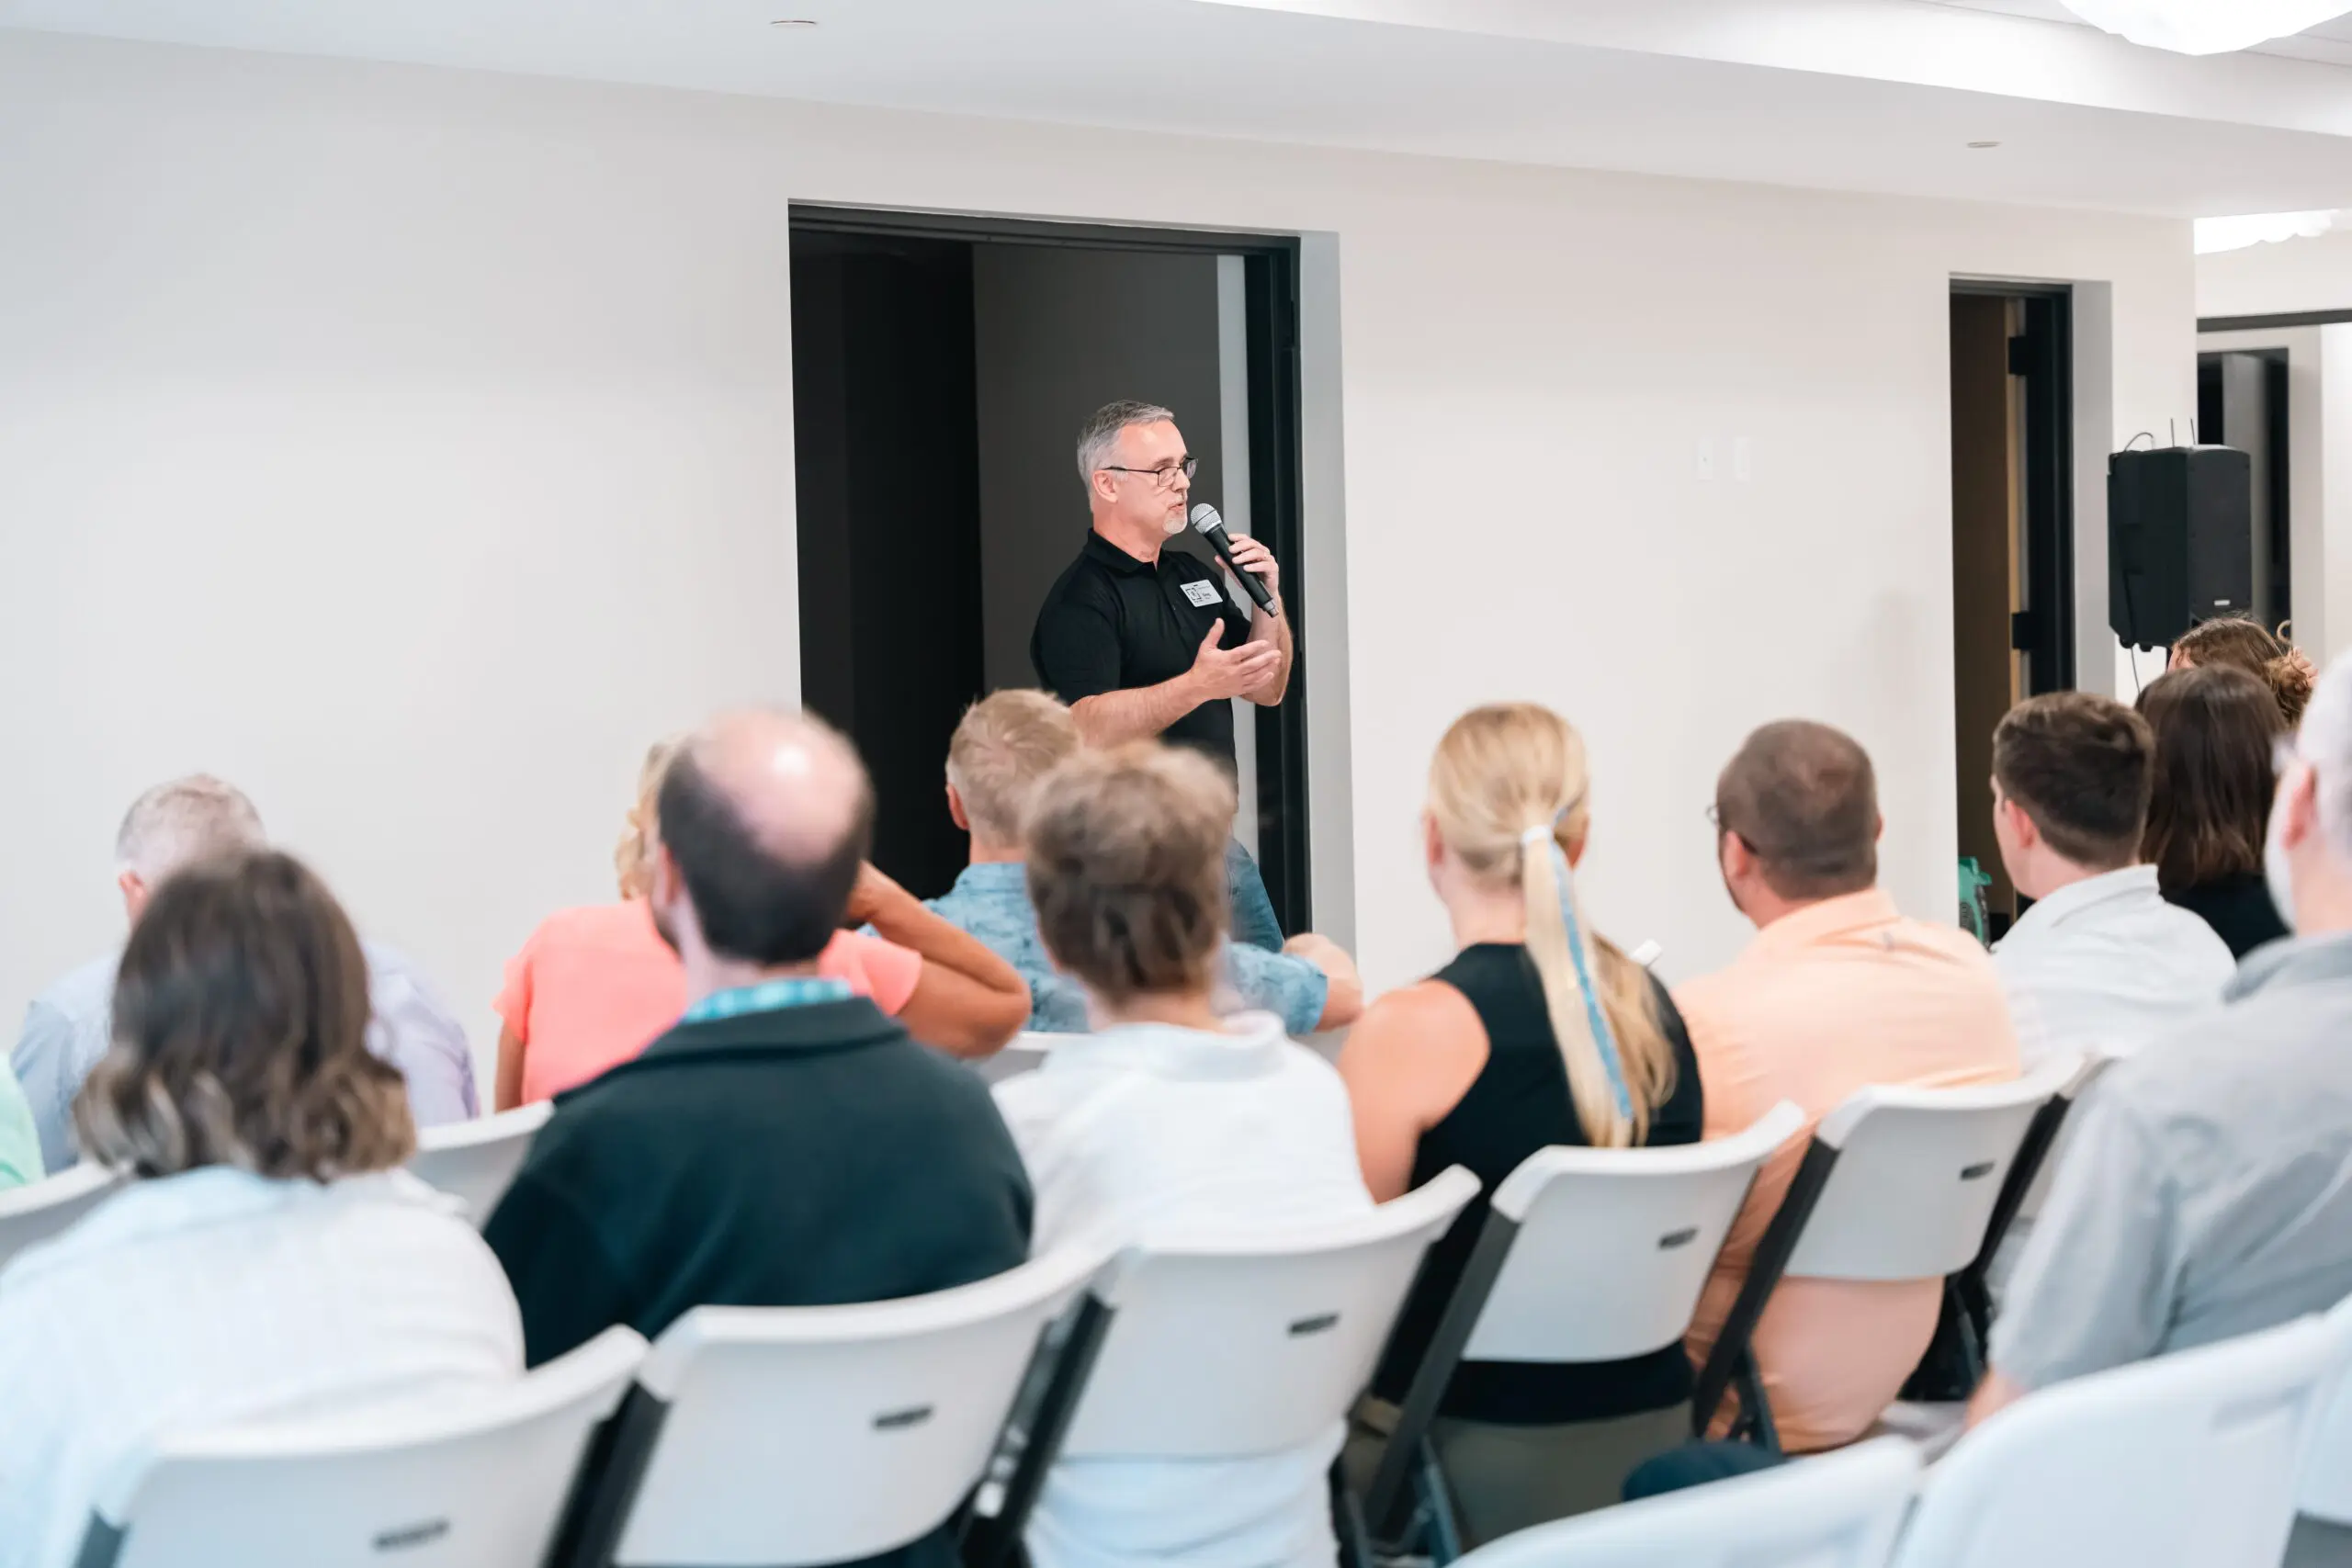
[(768, 996)]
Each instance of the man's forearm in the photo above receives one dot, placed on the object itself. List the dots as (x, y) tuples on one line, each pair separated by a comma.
[(1266, 626), (1139, 713)]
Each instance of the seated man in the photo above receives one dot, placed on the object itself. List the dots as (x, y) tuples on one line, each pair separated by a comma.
[(1837, 992), (2101, 962), (177, 824), (2208, 1188), (1005, 745), (1170, 1121), (786, 1143)]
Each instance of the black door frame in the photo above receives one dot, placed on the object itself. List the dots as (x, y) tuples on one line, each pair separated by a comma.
[(1270, 268), (2043, 355)]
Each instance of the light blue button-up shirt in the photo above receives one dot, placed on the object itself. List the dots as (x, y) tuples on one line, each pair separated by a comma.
[(992, 901), (69, 1026)]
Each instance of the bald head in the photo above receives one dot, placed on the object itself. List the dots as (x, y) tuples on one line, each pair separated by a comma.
[(1802, 797), (767, 816)]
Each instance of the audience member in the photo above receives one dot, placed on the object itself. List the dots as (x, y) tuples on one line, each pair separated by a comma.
[(1837, 992), (267, 1257), (2214, 726), (785, 1144), (1004, 746), (1540, 1032), (1170, 1119), (2208, 1190), (594, 984), (2100, 961), (176, 824), (2245, 645), (20, 1161)]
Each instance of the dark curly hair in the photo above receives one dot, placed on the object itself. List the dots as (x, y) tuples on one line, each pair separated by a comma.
[(241, 1015)]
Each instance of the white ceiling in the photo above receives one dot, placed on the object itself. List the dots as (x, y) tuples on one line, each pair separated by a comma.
[(1860, 94)]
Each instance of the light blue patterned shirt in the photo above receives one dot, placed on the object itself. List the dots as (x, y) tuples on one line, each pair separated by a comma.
[(992, 901), (70, 1025)]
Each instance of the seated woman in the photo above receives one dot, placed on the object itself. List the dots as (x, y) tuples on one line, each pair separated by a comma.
[(2246, 644), (2210, 812), (268, 1258), (1169, 1118), (594, 985), (1539, 1033)]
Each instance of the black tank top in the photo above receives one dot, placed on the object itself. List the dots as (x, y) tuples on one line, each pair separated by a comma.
[(1520, 1103)]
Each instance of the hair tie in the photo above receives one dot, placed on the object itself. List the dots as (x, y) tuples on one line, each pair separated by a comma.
[(1603, 1036)]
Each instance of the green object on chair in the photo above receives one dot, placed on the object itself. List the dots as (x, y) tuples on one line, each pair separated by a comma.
[(1972, 883)]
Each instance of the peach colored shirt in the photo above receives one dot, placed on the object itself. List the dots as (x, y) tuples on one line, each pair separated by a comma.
[(594, 986), (1837, 997)]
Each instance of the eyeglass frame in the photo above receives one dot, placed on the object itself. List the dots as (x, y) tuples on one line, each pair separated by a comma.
[(1162, 478)]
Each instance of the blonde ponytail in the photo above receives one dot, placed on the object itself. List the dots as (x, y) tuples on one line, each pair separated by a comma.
[(1507, 793)]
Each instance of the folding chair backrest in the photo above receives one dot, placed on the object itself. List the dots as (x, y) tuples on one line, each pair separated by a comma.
[(792, 1436), (36, 1212), (1224, 1351), (1841, 1510), (2327, 1490), (2095, 1065), (1613, 1245), (2185, 1462), (1025, 1054), (472, 1481), (1917, 1175), (476, 1160)]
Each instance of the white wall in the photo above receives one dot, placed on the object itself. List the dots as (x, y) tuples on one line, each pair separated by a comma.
[(2276, 279), (413, 444)]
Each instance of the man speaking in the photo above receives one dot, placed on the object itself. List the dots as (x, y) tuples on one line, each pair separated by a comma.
[(1142, 641)]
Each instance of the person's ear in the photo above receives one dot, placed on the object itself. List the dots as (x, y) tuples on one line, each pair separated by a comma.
[(1737, 859), (1432, 842), (1104, 485), (956, 809), (2297, 802), (663, 884), (1575, 849), (2021, 829), (134, 892), (1878, 832)]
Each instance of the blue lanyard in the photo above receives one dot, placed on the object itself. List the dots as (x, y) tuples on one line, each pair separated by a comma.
[(768, 996)]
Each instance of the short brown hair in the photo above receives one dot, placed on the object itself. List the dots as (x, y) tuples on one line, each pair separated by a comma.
[(1006, 744), (2078, 764), (1127, 868), (2210, 810), (241, 1015), (1803, 796)]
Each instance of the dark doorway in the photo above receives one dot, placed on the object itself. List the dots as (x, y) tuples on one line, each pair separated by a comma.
[(2013, 536), (2242, 402), (942, 367)]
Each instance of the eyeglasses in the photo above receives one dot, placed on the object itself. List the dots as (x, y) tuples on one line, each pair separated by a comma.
[(1161, 477)]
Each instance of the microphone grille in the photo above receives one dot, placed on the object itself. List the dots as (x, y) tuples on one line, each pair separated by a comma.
[(1206, 519)]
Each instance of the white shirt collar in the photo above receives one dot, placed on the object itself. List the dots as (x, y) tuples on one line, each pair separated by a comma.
[(2134, 882)]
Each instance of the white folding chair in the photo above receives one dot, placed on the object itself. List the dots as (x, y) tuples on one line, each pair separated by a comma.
[(1841, 1510), (1584, 1255), (40, 1210), (2185, 1462), (788, 1436), (476, 1161), (1898, 1183), (2325, 1492), (471, 1480), (1223, 1350), (1026, 1054)]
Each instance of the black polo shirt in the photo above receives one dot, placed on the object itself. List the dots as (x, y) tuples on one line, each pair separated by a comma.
[(1112, 622)]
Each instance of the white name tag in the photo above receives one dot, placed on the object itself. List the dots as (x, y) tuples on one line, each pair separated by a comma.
[(1203, 595)]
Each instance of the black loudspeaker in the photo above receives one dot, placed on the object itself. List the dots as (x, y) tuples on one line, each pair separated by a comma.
[(2179, 540)]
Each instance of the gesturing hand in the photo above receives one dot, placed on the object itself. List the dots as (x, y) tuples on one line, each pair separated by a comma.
[(1233, 671), (1259, 562)]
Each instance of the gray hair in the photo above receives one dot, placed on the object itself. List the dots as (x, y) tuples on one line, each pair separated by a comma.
[(1099, 436), (2325, 742), (185, 820)]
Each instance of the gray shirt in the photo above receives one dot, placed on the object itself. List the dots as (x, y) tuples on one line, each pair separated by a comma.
[(70, 1025), (2207, 1190)]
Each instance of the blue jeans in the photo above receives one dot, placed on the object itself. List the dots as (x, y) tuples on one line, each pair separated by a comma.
[(1253, 912)]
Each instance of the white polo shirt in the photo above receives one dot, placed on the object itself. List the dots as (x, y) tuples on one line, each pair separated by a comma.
[(2104, 963), (218, 1296), (1149, 1130)]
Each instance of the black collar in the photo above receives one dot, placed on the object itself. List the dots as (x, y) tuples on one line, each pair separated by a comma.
[(1102, 550), (846, 1025)]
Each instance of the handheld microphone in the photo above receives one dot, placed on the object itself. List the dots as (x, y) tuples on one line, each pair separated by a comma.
[(1210, 527)]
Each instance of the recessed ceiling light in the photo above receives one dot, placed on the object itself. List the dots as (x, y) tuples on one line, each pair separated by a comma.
[(794, 22), (1980, 146)]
